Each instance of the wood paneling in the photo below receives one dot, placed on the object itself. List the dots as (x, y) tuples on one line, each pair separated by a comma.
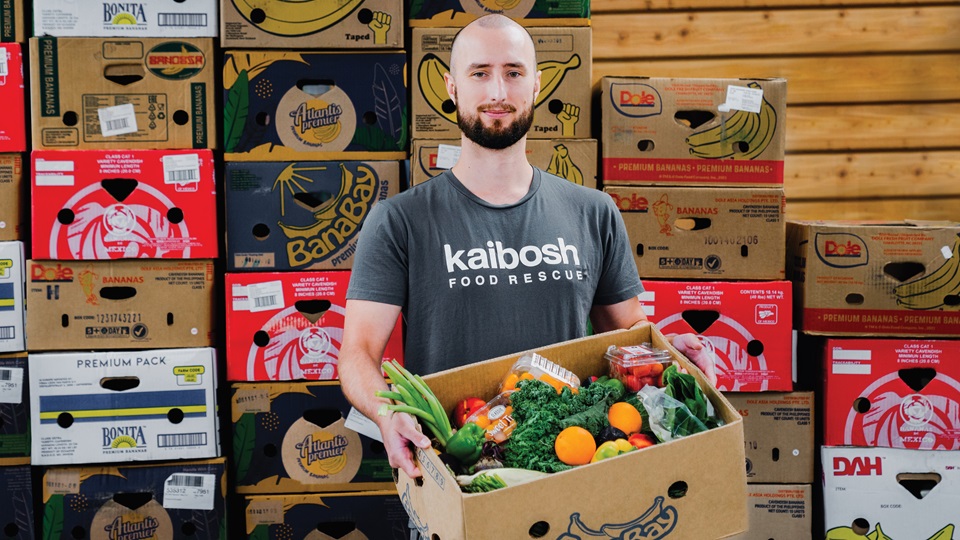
[(643, 6), (882, 174), (936, 209)]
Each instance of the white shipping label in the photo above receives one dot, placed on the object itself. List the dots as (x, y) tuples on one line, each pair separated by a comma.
[(3, 63), (11, 385), (189, 491), (743, 99), (53, 173), (258, 297), (181, 169), (358, 422), (118, 120), (447, 156)]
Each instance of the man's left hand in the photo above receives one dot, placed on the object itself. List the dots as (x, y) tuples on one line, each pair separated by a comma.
[(690, 346)]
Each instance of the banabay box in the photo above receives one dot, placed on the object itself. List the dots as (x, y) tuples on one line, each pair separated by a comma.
[(167, 500), (123, 304), (291, 438), (302, 215), (679, 478), (744, 325), (345, 24), (572, 159), (698, 233), (362, 515), (561, 109), (896, 393), (12, 27), (778, 435), (145, 18), (11, 197), (12, 310), (875, 279), (16, 502), (122, 93), (303, 105), (98, 407), (107, 204), (289, 325), (14, 407), (778, 512), (459, 13), (693, 132), (890, 493), (13, 121)]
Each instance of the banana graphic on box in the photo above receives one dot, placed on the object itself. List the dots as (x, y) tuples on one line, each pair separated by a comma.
[(562, 165), (295, 17), (932, 291), (744, 135), (847, 533)]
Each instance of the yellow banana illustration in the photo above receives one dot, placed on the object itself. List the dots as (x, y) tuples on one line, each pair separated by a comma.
[(755, 130), (929, 292), (726, 145), (563, 166), (945, 533), (329, 211), (730, 125), (552, 73), (294, 17), (878, 534)]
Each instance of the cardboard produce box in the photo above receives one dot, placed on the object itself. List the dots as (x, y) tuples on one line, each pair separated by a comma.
[(459, 13), (146, 18), (302, 215), (895, 393), (561, 110), (890, 493), (179, 500), (103, 204), (12, 310), (13, 121), (875, 278), (12, 198), (778, 436), (285, 326), (14, 407), (358, 515), (573, 159), (744, 324), (100, 407), (673, 482), (290, 438), (693, 132), (348, 24), (778, 512), (697, 233), (12, 27), (16, 502), (306, 105), (132, 93), (123, 304)]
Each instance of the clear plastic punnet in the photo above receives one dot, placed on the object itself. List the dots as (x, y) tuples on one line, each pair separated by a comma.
[(534, 366), (637, 366), (496, 418)]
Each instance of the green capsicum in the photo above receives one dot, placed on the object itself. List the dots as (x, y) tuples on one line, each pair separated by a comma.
[(467, 443)]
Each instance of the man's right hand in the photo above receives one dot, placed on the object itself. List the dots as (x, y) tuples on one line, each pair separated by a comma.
[(399, 430)]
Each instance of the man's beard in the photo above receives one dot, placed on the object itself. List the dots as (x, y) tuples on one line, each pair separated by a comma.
[(497, 136)]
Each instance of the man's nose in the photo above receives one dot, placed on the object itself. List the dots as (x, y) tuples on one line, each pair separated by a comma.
[(498, 89)]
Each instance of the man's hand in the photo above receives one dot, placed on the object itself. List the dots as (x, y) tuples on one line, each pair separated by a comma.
[(398, 431), (690, 346)]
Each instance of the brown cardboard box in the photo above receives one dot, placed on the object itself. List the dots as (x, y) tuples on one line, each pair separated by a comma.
[(101, 93), (674, 132), (573, 159), (12, 27), (778, 436), (11, 196), (459, 13), (88, 304), (564, 56), (778, 512), (875, 278), (696, 233), (342, 24), (620, 496)]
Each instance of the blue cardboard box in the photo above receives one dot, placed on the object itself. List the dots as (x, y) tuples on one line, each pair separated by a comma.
[(14, 406), (16, 501), (371, 514)]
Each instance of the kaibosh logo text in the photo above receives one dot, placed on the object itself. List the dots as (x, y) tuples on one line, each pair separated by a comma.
[(858, 466), (497, 256)]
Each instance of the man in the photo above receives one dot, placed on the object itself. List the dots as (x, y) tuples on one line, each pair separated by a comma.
[(492, 257)]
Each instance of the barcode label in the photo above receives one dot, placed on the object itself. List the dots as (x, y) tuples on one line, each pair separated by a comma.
[(11, 385), (117, 120), (189, 491), (118, 124), (182, 19), (181, 439), (181, 168), (258, 297), (186, 480), (7, 333), (265, 302), (6, 375)]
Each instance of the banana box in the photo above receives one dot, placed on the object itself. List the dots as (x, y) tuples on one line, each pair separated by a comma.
[(285, 326), (164, 500), (145, 18), (778, 511), (99, 407), (744, 325), (16, 502), (12, 307), (897, 278), (697, 233), (561, 110), (14, 407), (291, 438), (13, 121), (305, 105), (529, 13), (12, 27), (573, 159), (364, 515), (777, 435), (322, 24), (890, 493), (892, 393), (301, 215), (693, 132), (12, 198), (122, 93), (122, 304)]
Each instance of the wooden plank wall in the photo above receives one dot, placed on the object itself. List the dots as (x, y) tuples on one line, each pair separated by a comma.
[(873, 91)]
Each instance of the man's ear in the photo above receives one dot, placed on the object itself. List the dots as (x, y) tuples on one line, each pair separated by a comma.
[(451, 87), (536, 86)]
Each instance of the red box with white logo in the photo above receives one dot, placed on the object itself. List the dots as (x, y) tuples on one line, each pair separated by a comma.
[(285, 326), (13, 119), (895, 393), (745, 325), (106, 204)]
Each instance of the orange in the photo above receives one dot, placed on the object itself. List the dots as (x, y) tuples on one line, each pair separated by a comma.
[(575, 446), (625, 417)]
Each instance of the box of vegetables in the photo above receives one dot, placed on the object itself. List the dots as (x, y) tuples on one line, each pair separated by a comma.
[(559, 443)]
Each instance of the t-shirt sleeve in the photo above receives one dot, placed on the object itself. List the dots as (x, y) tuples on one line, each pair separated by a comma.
[(380, 266), (619, 279)]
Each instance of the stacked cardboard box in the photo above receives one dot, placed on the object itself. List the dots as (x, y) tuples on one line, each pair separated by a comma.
[(13, 122)]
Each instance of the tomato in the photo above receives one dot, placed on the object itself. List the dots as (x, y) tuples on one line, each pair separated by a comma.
[(641, 440), (632, 383), (466, 407)]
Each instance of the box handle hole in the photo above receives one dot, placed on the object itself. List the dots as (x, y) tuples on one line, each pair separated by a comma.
[(181, 118), (64, 320), (335, 529), (124, 74), (169, 319), (775, 455), (261, 338), (257, 16), (539, 529), (65, 420), (270, 450), (918, 484), (364, 16), (70, 118), (854, 299), (322, 418), (175, 415), (316, 87), (312, 310), (902, 271), (692, 223), (860, 526), (755, 348), (11, 530), (78, 532), (188, 529), (917, 378), (693, 119), (861, 405), (951, 300), (677, 490), (645, 145), (133, 499), (175, 215), (261, 231), (66, 216), (700, 319), (117, 293), (369, 118), (744, 251), (313, 200), (639, 250), (119, 384)]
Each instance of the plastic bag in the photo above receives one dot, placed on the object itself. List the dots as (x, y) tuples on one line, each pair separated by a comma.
[(669, 418)]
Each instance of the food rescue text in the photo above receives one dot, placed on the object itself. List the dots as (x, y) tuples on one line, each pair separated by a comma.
[(549, 262), (122, 362)]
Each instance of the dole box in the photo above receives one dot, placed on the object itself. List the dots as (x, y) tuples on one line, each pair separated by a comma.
[(875, 278), (14, 407), (12, 310), (146, 18), (358, 515), (13, 121), (99, 407), (123, 93), (285, 326), (103, 204), (529, 13), (16, 501), (12, 199), (745, 326), (693, 132)]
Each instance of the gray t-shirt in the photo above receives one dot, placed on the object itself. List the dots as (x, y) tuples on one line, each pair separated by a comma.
[(477, 280)]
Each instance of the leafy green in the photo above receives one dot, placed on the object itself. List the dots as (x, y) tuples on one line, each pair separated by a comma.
[(235, 112), (683, 387), (53, 517), (260, 532), (244, 439)]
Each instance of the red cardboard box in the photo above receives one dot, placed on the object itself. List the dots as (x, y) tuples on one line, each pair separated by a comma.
[(892, 393), (107, 204), (745, 324), (285, 326), (13, 120)]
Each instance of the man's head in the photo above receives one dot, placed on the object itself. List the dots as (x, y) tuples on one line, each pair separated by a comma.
[(493, 81)]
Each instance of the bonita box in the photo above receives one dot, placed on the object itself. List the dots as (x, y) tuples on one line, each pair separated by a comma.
[(146, 18)]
